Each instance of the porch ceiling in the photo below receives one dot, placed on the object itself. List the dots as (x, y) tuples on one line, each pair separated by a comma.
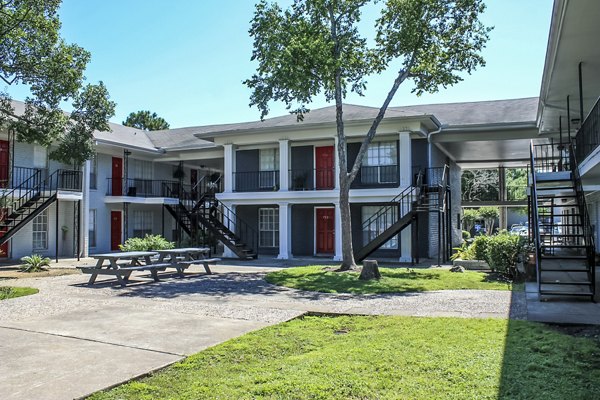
[(573, 38)]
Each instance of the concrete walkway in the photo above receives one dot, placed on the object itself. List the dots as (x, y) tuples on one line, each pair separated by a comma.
[(70, 340)]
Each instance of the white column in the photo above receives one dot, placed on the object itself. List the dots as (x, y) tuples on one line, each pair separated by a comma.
[(405, 156), (336, 177), (228, 168), (230, 223), (85, 210), (338, 233), (284, 165), (285, 234), (406, 244)]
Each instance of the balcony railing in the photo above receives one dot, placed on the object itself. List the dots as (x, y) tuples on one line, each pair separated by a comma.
[(18, 176), (379, 175), (588, 136), (256, 181), (312, 179), (142, 188), (69, 180)]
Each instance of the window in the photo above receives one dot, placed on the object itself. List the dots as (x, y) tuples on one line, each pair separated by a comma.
[(268, 227), (268, 167), (94, 172), (380, 163), (40, 231), (378, 225), (142, 223), (142, 177), (92, 229)]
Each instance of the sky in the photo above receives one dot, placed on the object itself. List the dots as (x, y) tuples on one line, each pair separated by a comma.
[(186, 59)]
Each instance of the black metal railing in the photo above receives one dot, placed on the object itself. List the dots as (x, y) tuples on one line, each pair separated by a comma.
[(434, 177), (312, 179), (588, 230), (379, 175), (256, 181), (68, 180), (588, 135), (535, 232), (211, 184), (144, 187), (17, 175), (551, 157)]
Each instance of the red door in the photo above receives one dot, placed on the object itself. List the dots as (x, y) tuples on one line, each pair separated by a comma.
[(324, 167), (4, 163), (325, 230), (117, 176), (115, 230)]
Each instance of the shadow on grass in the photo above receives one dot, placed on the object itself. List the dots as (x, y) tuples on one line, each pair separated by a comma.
[(542, 362)]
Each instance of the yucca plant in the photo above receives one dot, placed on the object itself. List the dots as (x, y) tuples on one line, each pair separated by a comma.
[(34, 263)]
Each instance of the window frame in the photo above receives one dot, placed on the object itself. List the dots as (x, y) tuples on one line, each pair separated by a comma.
[(379, 154), (367, 211), (41, 220), (268, 231), (143, 223)]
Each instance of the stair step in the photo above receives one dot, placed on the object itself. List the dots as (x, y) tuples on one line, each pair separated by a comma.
[(574, 246), (563, 257), (562, 196), (575, 283), (571, 269), (565, 293), (555, 188)]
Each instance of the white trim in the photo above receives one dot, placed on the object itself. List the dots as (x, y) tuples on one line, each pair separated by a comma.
[(140, 200)]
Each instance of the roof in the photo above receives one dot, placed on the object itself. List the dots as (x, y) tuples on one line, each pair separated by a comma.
[(493, 112), (352, 113)]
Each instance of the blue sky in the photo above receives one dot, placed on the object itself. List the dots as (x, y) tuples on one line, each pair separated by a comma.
[(186, 59)]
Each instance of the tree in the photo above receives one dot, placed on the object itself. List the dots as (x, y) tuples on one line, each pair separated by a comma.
[(146, 120), (315, 47), (489, 215), (33, 54), (470, 217), (480, 185)]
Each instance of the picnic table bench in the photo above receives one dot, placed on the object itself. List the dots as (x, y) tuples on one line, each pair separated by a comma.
[(181, 259), (121, 265)]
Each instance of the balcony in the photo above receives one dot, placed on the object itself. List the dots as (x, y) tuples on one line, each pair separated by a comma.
[(374, 176), (19, 176), (143, 188), (588, 136), (256, 181), (312, 179)]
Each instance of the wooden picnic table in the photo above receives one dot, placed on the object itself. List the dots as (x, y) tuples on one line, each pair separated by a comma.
[(182, 258), (109, 264)]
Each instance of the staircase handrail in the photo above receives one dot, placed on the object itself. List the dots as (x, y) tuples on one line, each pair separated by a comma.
[(588, 231), (230, 219), (534, 213)]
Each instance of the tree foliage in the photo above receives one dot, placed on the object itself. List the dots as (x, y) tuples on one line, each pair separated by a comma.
[(489, 215), (146, 120), (480, 185), (33, 54), (315, 47)]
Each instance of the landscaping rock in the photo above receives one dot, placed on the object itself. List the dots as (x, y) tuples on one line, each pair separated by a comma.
[(457, 268), (370, 270)]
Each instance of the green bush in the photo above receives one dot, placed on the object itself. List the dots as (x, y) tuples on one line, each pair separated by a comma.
[(464, 252), (479, 247), (147, 243), (34, 263), (503, 251), (466, 235)]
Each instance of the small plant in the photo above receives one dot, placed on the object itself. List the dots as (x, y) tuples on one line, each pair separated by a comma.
[(464, 252), (34, 263), (479, 248), (466, 235), (147, 243)]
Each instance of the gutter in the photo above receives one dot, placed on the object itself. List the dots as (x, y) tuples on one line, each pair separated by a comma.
[(124, 146)]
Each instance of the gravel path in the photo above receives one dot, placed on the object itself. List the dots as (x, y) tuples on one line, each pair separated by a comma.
[(242, 293)]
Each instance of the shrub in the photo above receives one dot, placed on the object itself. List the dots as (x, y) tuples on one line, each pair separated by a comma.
[(464, 252), (147, 243), (34, 263), (466, 235), (470, 216), (479, 247), (503, 251)]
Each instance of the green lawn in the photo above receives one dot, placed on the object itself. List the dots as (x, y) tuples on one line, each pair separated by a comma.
[(384, 358), (7, 292), (394, 280)]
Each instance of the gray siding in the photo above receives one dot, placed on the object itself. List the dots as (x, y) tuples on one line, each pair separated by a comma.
[(302, 161)]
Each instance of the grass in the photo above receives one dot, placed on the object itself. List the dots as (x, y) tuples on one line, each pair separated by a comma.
[(393, 280), (8, 292), (383, 358)]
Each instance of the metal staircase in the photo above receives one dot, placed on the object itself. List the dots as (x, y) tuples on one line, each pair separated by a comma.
[(23, 203), (203, 217), (562, 232), (429, 194)]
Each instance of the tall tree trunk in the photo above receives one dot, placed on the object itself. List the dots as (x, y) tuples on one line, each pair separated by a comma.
[(347, 251)]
